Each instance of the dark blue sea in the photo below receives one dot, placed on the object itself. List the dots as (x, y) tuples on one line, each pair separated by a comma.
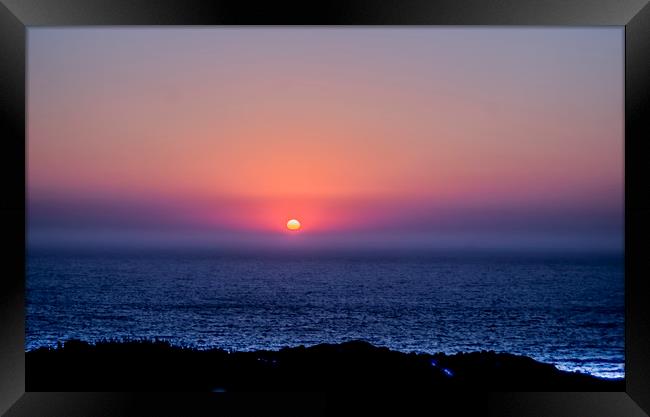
[(564, 310)]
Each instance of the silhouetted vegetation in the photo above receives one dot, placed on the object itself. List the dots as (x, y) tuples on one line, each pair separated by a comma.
[(141, 365)]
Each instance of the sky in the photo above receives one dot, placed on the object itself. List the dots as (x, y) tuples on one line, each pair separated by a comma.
[(393, 137)]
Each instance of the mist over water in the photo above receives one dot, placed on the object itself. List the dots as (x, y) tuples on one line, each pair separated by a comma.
[(563, 309)]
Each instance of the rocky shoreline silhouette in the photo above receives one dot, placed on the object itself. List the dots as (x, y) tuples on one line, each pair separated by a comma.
[(350, 366)]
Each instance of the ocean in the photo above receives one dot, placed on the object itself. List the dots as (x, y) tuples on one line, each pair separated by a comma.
[(565, 310)]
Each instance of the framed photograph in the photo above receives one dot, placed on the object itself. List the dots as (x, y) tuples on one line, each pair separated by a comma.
[(216, 207)]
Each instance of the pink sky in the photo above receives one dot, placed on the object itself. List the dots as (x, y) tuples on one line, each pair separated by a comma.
[(422, 131)]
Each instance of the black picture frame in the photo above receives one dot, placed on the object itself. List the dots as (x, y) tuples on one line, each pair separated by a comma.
[(16, 16)]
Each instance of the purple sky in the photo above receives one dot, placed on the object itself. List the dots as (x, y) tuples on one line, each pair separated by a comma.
[(372, 137)]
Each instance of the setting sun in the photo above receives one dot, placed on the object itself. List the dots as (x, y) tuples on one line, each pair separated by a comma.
[(293, 224)]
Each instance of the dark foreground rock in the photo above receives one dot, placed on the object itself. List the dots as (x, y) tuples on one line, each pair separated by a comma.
[(356, 365)]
